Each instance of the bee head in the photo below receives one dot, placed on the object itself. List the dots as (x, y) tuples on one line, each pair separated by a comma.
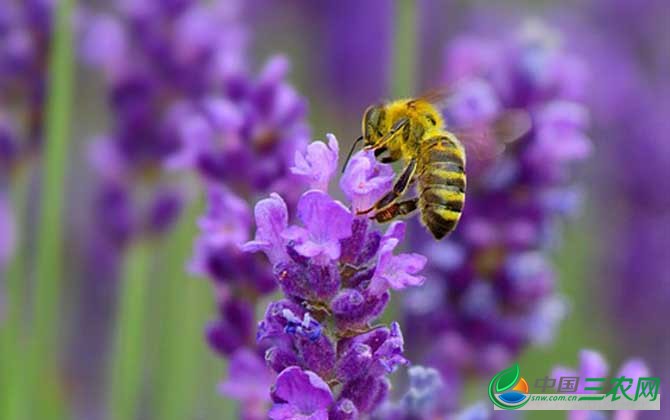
[(373, 124)]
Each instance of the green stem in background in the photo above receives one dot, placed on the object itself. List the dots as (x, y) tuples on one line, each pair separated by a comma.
[(182, 306), (126, 370), (406, 49), (12, 334), (43, 352)]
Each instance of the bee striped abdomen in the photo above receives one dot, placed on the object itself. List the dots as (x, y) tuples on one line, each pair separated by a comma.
[(442, 184)]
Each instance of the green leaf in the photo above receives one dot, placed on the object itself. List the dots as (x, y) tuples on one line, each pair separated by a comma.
[(507, 378)]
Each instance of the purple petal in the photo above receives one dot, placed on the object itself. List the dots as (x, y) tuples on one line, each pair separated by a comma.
[(399, 272), (396, 230), (365, 180), (592, 365), (396, 272), (275, 70), (284, 412), (474, 103), (325, 218), (560, 134), (295, 233), (303, 390), (634, 368), (248, 379), (311, 249), (326, 221), (105, 44), (318, 164), (271, 220), (195, 135), (470, 56), (104, 157), (227, 220)]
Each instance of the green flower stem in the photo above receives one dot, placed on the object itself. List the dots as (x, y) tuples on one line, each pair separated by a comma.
[(127, 364), (12, 339), (44, 347), (183, 306), (406, 51)]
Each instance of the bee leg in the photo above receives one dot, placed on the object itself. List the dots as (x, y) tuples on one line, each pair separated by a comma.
[(380, 151), (399, 187), (400, 209), (384, 159)]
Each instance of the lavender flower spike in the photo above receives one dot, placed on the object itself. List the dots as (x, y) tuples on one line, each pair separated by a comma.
[(336, 272)]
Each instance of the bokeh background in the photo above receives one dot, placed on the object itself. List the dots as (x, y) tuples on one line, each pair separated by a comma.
[(78, 224)]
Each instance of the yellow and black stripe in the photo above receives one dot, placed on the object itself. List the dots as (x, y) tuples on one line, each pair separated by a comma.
[(442, 182)]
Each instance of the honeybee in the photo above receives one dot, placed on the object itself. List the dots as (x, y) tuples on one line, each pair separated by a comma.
[(414, 130)]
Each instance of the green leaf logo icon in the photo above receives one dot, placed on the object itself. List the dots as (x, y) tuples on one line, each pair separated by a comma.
[(507, 378), (504, 381)]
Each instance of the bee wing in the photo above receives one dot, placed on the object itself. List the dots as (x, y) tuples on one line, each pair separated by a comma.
[(490, 140), (438, 96)]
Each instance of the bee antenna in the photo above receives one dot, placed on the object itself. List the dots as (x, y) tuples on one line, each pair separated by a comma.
[(351, 152)]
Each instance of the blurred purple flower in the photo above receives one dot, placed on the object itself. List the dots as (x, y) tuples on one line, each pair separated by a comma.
[(171, 59), (423, 400), (474, 101), (560, 137), (25, 39), (7, 232), (497, 296), (242, 140), (181, 97), (593, 365), (420, 398), (164, 211), (346, 32), (246, 137), (227, 220), (630, 104), (248, 381), (9, 147)]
